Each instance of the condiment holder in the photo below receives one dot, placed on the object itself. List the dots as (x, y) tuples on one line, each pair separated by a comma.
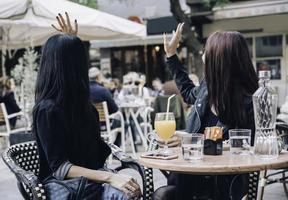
[(213, 142)]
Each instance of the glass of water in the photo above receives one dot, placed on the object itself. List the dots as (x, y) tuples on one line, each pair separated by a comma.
[(192, 147), (240, 141)]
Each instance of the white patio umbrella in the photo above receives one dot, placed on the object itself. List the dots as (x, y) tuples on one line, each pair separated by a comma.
[(25, 20), (28, 22)]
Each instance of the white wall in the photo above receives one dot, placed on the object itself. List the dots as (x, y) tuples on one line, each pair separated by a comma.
[(141, 8), (270, 24)]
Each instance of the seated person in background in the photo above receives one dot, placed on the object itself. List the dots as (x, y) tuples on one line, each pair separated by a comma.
[(99, 93), (170, 88), (157, 87), (8, 98)]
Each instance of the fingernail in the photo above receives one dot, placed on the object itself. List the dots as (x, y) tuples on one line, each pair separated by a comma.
[(57, 17), (65, 12)]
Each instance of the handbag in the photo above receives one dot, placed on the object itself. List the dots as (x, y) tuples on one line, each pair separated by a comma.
[(71, 189)]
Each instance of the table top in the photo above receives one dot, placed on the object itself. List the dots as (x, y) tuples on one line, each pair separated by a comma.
[(131, 105), (222, 164)]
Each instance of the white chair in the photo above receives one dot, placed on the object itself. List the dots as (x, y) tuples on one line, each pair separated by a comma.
[(145, 114), (110, 134), (4, 120)]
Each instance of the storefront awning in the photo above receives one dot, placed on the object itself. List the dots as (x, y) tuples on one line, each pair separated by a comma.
[(149, 40)]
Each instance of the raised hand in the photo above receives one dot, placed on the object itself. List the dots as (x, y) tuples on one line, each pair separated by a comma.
[(170, 47), (65, 25), (125, 183)]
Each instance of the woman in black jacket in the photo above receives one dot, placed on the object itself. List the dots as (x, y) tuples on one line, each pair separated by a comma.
[(224, 98), (66, 125)]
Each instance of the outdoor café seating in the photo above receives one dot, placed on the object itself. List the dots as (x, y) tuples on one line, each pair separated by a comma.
[(23, 161)]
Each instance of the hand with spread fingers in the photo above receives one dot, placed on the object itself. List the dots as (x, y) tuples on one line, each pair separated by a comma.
[(65, 25), (170, 47), (127, 184)]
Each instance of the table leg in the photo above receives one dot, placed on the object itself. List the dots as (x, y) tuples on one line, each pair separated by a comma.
[(262, 184), (127, 115), (138, 128)]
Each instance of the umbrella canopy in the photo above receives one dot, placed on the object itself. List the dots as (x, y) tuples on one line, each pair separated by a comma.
[(28, 22)]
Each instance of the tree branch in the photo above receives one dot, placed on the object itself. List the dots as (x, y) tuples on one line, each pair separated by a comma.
[(192, 43)]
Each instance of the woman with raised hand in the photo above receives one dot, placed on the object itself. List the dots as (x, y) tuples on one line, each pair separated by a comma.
[(65, 123), (224, 98)]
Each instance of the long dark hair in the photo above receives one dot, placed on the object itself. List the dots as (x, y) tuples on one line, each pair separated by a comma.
[(63, 77), (230, 76)]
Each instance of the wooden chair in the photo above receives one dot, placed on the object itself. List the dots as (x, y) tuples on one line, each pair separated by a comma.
[(104, 117), (4, 120)]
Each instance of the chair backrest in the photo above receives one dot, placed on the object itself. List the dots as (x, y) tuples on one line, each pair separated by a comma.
[(23, 161), (103, 112), (4, 117)]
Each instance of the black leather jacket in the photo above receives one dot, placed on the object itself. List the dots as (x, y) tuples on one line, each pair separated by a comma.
[(198, 95)]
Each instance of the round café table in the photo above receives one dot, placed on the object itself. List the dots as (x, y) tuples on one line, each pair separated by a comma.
[(217, 165)]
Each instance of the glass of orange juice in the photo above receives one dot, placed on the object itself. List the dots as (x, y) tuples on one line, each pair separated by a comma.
[(165, 127)]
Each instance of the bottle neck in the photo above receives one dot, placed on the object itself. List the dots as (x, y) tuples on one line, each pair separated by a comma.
[(264, 82)]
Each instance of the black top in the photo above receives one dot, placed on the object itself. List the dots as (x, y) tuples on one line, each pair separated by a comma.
[(59, 142), (99, 94), (209, 119)]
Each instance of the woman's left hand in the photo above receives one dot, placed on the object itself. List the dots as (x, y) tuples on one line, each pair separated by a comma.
[(65, 25), (125, 183), (171, 46)]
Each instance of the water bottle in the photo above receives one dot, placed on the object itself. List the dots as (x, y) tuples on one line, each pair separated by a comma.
[(265, 110)]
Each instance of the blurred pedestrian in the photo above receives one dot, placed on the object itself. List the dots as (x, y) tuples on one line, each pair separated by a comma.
[(157, 87), (8, 98)]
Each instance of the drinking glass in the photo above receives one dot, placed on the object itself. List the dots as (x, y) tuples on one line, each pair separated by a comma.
[(165, 127), (240, 141), (192, 147)]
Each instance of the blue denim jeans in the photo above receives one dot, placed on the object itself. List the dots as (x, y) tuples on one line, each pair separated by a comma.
[(98, 191), (112, 193)]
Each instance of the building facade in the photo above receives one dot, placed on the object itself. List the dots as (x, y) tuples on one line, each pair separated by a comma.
[(264, 23)]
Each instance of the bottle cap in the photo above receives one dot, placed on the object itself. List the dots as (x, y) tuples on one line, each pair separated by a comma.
[(264, 74)]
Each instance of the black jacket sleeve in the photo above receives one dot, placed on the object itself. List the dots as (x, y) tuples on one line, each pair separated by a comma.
[(187, 88), (51, 134)]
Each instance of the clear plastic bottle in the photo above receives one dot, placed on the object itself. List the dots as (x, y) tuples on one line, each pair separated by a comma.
[(265, 110)]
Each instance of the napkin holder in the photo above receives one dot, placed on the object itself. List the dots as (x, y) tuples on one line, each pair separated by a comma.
[(212, 147)]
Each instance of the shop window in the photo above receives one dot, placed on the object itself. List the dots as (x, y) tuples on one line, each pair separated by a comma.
[(250, 46), (269, 46), (274, 65)]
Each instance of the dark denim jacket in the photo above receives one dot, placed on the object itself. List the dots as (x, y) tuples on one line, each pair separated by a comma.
[(198, 95)]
